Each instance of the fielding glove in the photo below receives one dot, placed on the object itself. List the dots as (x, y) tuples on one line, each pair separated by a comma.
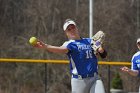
[(97, 40)]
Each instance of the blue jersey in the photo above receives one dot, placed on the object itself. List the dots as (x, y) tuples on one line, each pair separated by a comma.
[(136, 61), (81, 56)]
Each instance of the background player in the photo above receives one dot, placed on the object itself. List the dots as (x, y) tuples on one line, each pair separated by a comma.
[(83, 61), (135, 65)]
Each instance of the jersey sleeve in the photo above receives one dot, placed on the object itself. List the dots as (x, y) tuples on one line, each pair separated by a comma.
[(134, 65), (67, 44)]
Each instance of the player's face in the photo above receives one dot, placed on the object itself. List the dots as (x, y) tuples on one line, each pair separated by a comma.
[(72, 32), (138, 44)]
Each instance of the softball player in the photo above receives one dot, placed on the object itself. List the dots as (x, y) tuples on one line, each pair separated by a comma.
[(135, 65), (83, 62)]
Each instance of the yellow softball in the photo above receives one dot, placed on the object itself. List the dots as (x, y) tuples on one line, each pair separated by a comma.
[(33, 41)]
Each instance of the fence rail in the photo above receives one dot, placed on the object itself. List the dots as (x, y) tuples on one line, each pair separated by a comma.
[(64, 62), (58, 61)]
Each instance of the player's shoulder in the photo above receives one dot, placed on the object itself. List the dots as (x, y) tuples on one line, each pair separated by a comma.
[(68, 42), (136, 54), (87, 39)]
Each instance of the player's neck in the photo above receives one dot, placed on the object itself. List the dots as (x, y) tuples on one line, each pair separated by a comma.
[(75, 38)]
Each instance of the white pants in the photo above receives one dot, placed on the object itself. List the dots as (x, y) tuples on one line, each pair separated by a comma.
[(87, 85)]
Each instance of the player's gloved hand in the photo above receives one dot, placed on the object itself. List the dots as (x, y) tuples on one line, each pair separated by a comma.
[(96, 45), (99, 36), (97, 40)]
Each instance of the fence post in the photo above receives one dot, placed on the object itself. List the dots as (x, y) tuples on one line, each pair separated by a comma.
[(45, 77), (108, 78)]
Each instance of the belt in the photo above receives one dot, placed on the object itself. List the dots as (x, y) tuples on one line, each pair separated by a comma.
[(83, 76)]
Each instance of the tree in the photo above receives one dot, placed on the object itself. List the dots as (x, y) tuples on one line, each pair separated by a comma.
[(117, 82)]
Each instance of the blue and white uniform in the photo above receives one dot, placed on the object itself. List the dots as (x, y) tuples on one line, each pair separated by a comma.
[(83, 67), (136, 62), (82, 60)]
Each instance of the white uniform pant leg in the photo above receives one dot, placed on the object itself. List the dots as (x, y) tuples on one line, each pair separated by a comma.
[(97, 87), (79, 86), (82, 85)]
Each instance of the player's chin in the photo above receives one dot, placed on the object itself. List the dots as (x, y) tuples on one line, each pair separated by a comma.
[(72, 37)]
